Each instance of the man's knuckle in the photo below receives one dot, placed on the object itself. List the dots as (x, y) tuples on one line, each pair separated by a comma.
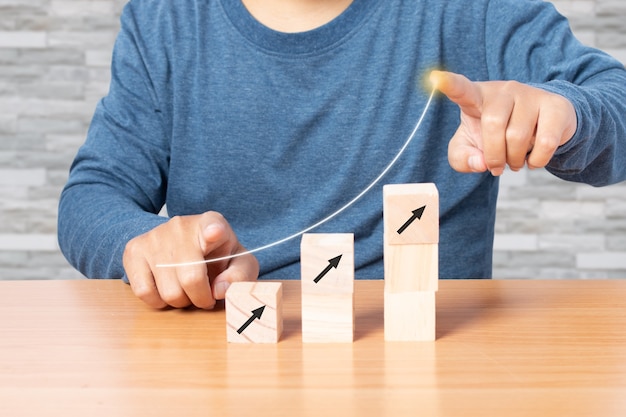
[(173, 296), (492, 122), (189, 277), (517, 135), (132, 248), (546, 143), (143, 292)]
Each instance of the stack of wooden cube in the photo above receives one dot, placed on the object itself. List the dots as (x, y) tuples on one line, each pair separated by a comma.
[(411, 259)]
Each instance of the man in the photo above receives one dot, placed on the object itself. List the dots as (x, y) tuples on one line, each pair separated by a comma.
[(253, 120)]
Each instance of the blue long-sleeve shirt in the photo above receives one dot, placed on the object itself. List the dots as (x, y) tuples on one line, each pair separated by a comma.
[(210, 110)]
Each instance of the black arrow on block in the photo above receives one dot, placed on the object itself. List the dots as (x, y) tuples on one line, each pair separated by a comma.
[(332, 263), (256, 314), (417, 214)]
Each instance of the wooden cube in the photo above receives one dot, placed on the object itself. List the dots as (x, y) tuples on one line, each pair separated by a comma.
[(254, 312), (327, 318), (327, 263), (410, 316), (411, 267), (327, 279), (411, 213)]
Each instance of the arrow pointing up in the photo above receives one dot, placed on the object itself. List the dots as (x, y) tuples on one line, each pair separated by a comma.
[(417, 214), (256, 314), (332, 263)]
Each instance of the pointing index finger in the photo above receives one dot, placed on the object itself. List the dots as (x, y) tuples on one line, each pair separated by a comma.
[(460, 90)]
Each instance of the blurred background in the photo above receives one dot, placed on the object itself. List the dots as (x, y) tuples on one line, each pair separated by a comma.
[(54, 67)]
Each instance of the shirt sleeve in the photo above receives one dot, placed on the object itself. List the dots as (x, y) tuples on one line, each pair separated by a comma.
[(529, 41), (118, 180)]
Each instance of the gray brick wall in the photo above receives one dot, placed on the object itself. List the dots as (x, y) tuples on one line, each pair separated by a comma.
[(550, 228), (54, 66)]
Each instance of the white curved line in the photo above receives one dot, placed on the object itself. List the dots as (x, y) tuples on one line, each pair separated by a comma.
[(324, 220)]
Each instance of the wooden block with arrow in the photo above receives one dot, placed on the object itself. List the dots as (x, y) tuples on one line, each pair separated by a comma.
[(411, 260), (327, 279), (411, 237), (254, 312), (411, 213)]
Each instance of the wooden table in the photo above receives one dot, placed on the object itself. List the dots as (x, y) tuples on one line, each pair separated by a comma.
[(504, 348)]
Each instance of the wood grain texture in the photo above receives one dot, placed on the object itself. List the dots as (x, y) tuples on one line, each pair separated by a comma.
[(317, 251), (411, 236), (243, 299), (503, 348), (327, 281), (327, 318), (410, 316), (411, 267), (399, 203)]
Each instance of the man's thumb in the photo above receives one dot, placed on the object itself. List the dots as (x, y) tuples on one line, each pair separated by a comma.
[(211, 237), (464, 157)]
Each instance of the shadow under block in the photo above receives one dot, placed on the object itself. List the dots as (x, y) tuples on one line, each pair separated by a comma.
[(327, 280), (410, 316), (254, 312), (411, 213)]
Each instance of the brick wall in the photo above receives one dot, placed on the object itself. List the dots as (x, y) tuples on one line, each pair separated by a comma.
[(550, 228), (54, 58)]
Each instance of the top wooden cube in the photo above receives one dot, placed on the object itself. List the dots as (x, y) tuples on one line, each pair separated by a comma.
[(411, 213), (327, 263)]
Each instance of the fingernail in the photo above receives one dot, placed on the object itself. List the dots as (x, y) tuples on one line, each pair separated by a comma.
[(212, 227), (221, 288), (212, 230), (496, 172), (475, 163)]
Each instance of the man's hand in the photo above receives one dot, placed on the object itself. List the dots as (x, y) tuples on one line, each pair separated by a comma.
[(504, 123), (187, 239)]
